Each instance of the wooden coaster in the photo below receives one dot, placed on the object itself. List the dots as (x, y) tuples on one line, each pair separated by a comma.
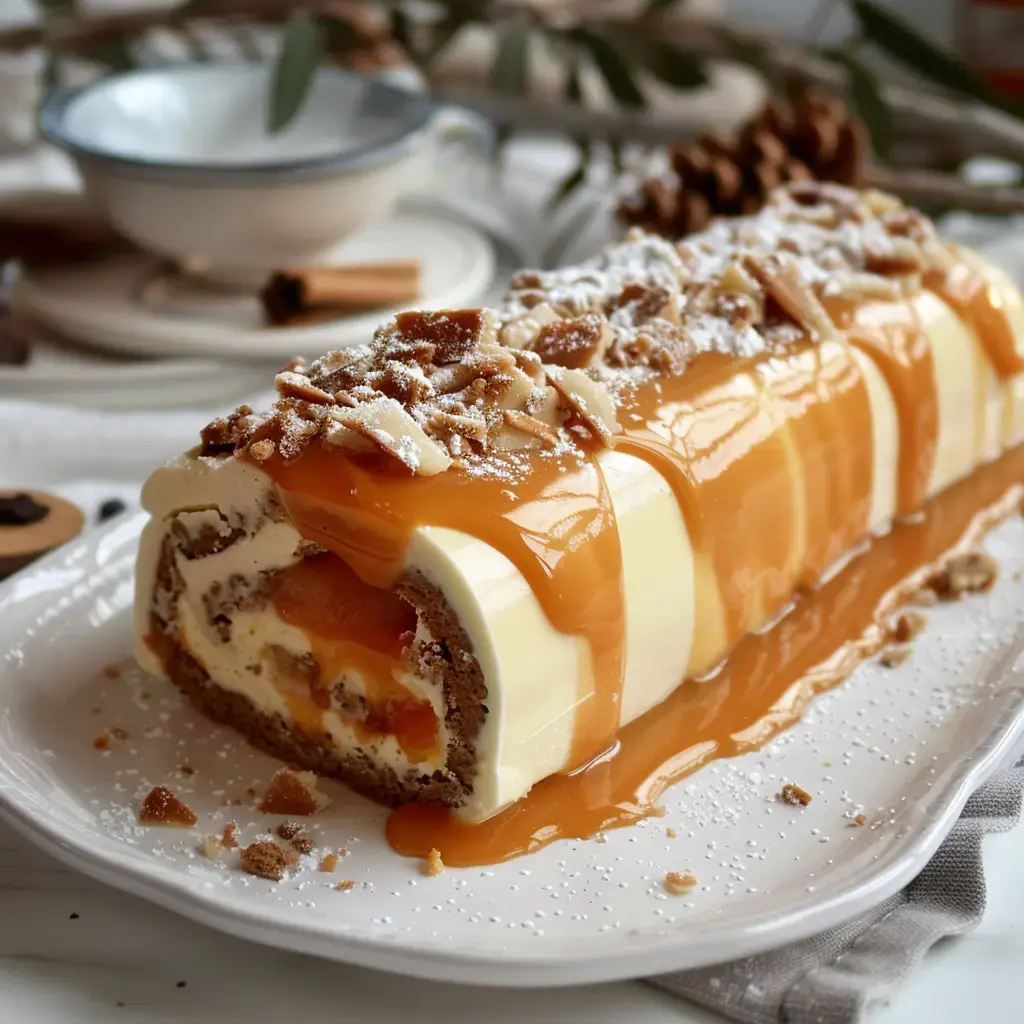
[(32, 523)]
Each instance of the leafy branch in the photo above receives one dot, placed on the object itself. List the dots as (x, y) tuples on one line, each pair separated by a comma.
[(622, 57)]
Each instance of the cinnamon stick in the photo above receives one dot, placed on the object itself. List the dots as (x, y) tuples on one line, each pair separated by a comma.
[(311, 294)]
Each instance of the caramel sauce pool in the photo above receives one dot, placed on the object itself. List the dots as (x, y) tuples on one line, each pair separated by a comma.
[(762, 689)]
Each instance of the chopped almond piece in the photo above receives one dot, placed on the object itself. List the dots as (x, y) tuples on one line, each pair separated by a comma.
[(893, 657), (213, 847), (907, 626), (230, 837), (288, 829), (679, 883), (267, 860), (293, 793), (433, 865), (162, 807), (968, 573), (794, 795), (329, 862), (262, 450)]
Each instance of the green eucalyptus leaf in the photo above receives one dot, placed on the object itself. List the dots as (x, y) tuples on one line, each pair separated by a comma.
[(573, 89), (247, 43), (114, 54), (572, 181), (52, 72), (615, 150), (297, 61), (442, 34), (511, 69), (56, 6), (195, 44), (401, 31), (614, 68), (901, 41), (670, 64), (743, 51), (865, 95), (339, 34)]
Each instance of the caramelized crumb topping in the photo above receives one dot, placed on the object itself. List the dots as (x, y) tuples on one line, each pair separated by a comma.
[(437, 389), (679, 883), (328, 862), (291, 792), (794, 795), (288, 829), (893, 657), (433, 865), (267, 860), (230, 836), (213, 847), (970, 572), (162, 807), (345, 885)]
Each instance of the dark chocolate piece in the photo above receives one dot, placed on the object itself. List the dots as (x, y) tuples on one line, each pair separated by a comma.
[(110, 508), (21, 510)]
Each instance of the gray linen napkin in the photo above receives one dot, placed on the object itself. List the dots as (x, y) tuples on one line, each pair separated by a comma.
[(838, 976)]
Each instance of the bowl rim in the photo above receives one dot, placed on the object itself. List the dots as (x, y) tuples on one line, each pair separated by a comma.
[(59, 100)]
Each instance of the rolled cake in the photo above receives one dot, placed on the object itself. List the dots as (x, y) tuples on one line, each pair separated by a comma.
[(454, 561)]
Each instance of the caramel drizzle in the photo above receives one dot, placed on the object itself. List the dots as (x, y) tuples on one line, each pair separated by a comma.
[(770, 460), (761, 690), (554, 523)]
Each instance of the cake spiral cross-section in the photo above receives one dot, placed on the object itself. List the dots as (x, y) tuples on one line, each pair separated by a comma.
[(457, 560)]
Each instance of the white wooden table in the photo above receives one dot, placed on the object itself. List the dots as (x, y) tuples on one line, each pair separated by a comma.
[(73, 951)]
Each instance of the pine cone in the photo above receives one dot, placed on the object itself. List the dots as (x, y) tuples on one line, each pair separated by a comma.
[(817, 138)]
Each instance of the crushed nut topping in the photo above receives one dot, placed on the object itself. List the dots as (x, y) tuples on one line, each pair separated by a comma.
[(162, 807), (906, 626), (679, 883), (893, 657), (435, 390), (970, 572), (268, 860), (433, 865), (794, 795), (290, 792)]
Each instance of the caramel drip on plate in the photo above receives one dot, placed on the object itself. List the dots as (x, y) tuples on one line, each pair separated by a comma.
[(554, 523), (761, 690)]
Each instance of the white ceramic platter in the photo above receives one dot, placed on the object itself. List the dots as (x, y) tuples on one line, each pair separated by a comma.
[(122, 305), (904, 745)]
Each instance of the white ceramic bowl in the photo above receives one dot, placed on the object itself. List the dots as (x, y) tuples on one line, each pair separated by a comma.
[(179, 159)]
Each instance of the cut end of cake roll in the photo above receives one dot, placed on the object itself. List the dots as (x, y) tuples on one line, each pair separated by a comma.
[(453, 562), (267, 632)]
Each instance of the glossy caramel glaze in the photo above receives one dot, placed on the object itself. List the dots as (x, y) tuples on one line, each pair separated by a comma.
[(762, 689), (365, 513), (771, 460)]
